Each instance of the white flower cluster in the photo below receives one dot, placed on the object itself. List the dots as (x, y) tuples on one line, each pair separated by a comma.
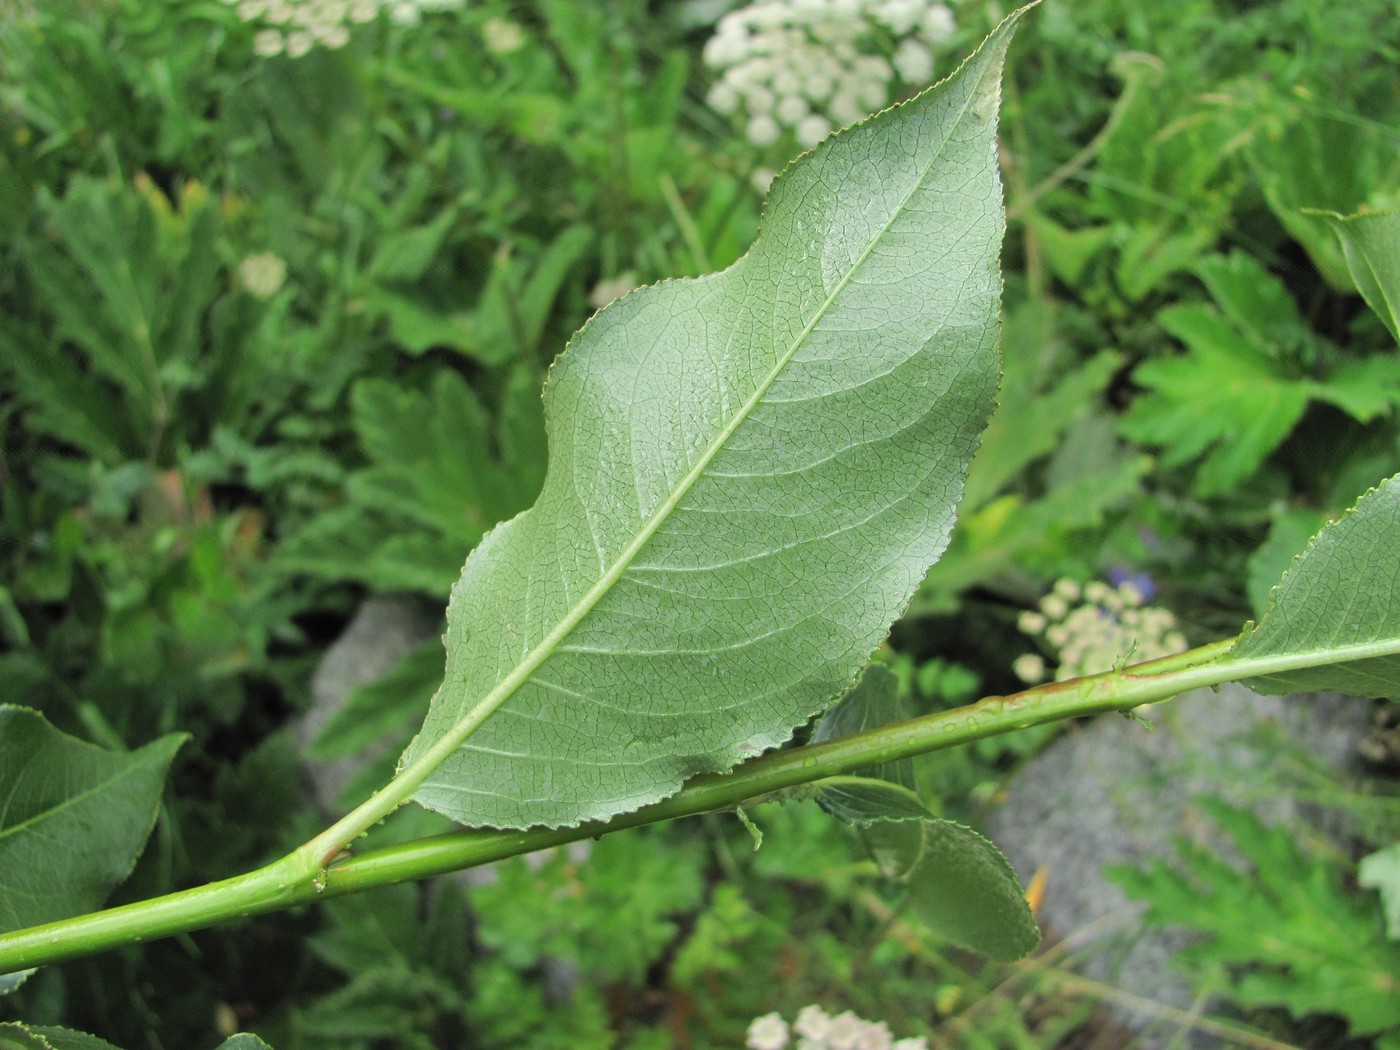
[(809, 66), (1095, 627), (294, 27), (817, 1030)]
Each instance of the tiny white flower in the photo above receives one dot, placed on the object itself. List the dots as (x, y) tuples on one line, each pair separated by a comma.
[(1031, 622), (769, 1032), (1054, 606), (876, 1036), (813, 1022), (791, 109), (299, 43), (763, 130), (267, 43), (938, 25), (812, 129), (916, 1042), (786, 82), (333, 37), (873, 95), (759, 100), (845, 109), (899, 16), (723, 98), (251, 10), (362, 11), (502, 36), (913, 62), (845, 1032), (1029, 668), (817, 86), (405, 13)]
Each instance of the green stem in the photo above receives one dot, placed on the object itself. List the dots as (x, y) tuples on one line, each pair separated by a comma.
[(302, 876)]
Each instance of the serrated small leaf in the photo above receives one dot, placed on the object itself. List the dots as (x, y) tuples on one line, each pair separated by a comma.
[(243, 1041), (960, 885), (14, 1036), (1338, 606), (67, 1039), (863, 801), (749, 475), (11, 981)]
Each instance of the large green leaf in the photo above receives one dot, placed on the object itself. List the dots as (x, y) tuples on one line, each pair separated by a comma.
[(74, 817), (1340, 603), (749, 475), (15, 1036), (52, 1038)]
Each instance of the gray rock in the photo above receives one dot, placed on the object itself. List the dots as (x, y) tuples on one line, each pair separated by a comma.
[(1111, 792), (383, 632)]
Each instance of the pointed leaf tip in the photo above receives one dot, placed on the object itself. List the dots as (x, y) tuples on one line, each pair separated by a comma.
[(1335, 615)]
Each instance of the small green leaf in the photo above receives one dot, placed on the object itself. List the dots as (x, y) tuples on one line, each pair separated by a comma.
[(864, 800), (1381, 872), (405, 255), (1339, 603), (75, 817), (1225, 399), (10, 981), (1256, 302), (1371, 245), (960, 884), (243, 1041), (883, 792)]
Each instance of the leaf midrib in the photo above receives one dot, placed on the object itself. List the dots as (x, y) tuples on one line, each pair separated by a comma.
[(422, 767)]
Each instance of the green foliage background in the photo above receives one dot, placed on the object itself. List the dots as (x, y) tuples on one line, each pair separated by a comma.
[(272, 335)]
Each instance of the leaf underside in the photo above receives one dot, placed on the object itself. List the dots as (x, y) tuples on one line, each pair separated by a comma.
[(1338, 606), (749, 475)]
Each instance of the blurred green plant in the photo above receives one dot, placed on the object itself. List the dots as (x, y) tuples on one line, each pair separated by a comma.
[(1281, 929), (439, 205)]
